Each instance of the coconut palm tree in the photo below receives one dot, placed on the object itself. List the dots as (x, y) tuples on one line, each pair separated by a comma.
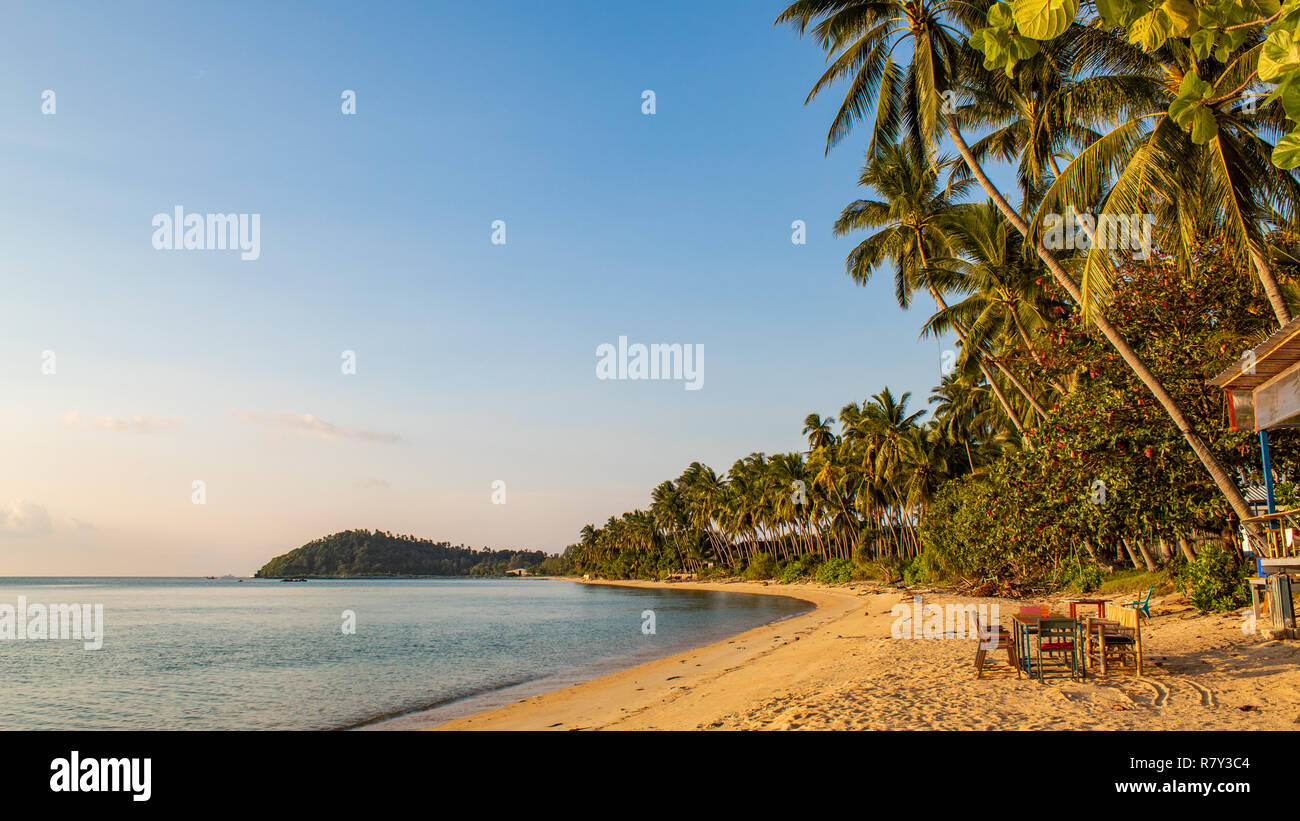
[(1226, 187), (819, 433), (1005, 296), (858, 37), (910, 220)]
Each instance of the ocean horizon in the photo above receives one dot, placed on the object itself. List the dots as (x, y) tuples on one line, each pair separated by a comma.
[(258, 654)]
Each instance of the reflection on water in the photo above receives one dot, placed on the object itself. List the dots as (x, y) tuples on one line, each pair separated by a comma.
[(261, 654)]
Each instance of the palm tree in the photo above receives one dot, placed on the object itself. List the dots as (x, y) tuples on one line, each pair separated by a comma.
[(963, 413), (1226, 187), (910, 220), (1004, 294), (818, 430), (858, 36)]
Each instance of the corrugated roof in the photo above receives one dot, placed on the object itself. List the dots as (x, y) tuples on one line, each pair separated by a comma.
[(1255, 493), (1272, 356)]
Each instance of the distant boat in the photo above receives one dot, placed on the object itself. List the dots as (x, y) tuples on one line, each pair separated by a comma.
[(209, 577), (293, 580)]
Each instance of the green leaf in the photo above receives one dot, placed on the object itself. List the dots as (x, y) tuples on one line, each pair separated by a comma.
[(1286, 154), (1280, 55), (1121, 12), (1044, 19), (1022, 48), (1214, 15), (995, 53), (1288, 91), (1229, 41), (1190, 92), (1204, 126), (1203, 43), (1182, 16), (1186, 109), (1001, 17), (1151, 30)]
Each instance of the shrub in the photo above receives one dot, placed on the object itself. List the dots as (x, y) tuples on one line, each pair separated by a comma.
[(1216, 580), (930, 567), (762, 566), (1081, 576), (797, 568), (835, 571)]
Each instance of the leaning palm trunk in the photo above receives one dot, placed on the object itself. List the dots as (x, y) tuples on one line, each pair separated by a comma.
[(1038, 359), (1011, 377), (1212, 466), (1269, 281), (1146, 556), (1132, 556), (978, 354)]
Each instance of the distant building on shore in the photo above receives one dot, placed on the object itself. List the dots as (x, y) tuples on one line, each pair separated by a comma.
[(518, 571)]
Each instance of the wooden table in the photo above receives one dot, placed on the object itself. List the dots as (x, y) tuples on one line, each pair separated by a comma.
[(1024, 625), (1100, 604)]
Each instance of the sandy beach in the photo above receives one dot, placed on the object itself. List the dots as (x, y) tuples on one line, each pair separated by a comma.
[(836, 667)]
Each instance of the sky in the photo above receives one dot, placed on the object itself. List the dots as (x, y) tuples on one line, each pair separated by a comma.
[(128, 372)]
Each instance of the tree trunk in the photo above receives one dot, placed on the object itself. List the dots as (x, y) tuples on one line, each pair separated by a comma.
[(1271, 288), (1146, 556), (1038, 360), (977, 352), (1212, 466), (1132, 557), (1038, 408)]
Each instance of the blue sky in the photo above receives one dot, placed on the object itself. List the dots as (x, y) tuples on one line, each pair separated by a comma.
[(476, 360)]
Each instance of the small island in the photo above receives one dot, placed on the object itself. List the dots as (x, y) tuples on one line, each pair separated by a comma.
[(357, 553)]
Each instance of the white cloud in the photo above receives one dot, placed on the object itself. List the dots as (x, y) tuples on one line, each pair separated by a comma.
[(313, 426), (135, 424), (24, 519)]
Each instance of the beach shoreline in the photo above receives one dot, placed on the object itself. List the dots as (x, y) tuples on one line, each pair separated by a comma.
[(836, 667), (616, 698)]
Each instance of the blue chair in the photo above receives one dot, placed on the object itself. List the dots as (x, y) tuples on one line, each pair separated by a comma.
[(1142, 605)]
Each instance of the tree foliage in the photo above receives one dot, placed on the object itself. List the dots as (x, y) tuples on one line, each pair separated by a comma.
[(379, 553)]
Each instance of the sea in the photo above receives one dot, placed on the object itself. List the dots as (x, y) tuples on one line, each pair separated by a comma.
[(261, 654)]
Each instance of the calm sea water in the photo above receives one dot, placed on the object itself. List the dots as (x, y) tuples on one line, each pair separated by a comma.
[(191, 654)]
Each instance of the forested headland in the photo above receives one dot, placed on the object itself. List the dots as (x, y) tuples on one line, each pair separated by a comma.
[(379, 553)]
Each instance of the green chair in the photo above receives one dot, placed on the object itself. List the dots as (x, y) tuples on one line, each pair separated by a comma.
[(1142, 605), (1058, 641)]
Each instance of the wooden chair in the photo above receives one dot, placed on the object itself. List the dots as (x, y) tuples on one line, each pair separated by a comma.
[(1058, 640), (1110, 642), (994, 639)]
